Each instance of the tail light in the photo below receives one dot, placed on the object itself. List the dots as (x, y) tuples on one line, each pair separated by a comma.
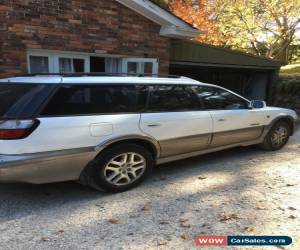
[(17, 129)]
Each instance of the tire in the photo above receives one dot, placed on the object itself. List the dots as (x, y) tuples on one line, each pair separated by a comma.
[(270, 143), (117, 161)]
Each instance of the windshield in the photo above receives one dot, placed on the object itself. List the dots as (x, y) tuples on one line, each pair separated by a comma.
[(21, 100)]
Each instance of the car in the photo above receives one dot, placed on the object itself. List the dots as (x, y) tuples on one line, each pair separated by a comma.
[(108, 130)]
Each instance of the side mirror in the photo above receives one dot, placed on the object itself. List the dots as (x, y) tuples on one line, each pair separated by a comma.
[(257, 104)]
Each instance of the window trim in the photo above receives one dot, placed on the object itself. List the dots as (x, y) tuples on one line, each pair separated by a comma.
[(140, 61), (53, 60), (149, 86)]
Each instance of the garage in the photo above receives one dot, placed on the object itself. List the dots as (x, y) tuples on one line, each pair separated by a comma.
[(248, 75)]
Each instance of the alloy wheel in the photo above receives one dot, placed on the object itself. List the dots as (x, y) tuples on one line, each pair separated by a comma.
[(125, 168), (279, 136)]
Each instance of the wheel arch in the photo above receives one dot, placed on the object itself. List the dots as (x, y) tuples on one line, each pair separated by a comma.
[(147, 142), (286, 118)]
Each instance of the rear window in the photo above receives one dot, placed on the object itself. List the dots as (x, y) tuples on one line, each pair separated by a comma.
[(96, 99), (21, 100)]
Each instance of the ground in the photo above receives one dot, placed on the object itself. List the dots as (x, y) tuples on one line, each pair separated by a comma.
[(242, 191)]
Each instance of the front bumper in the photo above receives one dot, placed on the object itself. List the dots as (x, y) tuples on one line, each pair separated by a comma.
[(45, 167)]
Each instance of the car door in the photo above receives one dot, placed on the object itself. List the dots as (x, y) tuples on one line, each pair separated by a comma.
[(175, 118), (233, 120)]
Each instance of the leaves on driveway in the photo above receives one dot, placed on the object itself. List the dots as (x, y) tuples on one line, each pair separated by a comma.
[(45, 239), (184, 223), (184, 236), (227, 217), (162, 243), (115, 221), (291, 185), (249, 229), (133, 216), (260, 208), (163, 222), (147, 207)]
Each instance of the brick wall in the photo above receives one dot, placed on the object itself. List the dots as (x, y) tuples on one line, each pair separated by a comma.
[(75, 25)]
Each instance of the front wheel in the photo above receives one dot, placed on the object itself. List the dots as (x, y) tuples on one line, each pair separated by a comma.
[(120, 168), (277, 137)]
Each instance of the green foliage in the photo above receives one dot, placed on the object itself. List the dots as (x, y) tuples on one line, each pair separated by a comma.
[(294, 54), (263, 27), (288, 86), (290, 71)]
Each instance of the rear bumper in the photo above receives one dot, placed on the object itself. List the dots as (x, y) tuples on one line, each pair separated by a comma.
[(45, 167)]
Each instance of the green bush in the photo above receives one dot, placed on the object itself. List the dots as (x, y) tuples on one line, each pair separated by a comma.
[(288, 86)]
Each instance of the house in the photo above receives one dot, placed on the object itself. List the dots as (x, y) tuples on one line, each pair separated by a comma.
[(92, 36), (133, 36)]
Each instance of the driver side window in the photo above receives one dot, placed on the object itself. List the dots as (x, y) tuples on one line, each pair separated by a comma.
[(219, 99)]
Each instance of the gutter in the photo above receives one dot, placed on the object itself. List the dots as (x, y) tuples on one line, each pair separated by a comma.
[(171, 26)]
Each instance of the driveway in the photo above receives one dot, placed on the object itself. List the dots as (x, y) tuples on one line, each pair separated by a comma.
[(240, 191)]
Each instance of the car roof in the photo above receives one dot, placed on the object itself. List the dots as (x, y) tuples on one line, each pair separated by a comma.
[(100, 80), (114, 80)]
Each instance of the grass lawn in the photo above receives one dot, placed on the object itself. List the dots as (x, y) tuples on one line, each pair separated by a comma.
[(292, 70)]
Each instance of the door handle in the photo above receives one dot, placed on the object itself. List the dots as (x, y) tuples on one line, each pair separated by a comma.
[(222, 120), (154, 125), (255, 124)]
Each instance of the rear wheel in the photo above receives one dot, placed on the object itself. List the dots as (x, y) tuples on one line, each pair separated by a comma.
[(120, 168), (277, 137)]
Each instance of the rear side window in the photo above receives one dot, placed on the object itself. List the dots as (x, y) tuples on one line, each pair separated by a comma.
[(21, 100), (173, 98), (95, 99)]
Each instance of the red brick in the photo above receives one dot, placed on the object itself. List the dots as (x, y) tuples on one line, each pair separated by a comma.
[(78, 25)]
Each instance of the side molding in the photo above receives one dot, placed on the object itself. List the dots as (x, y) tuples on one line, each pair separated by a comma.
[(145, 138)]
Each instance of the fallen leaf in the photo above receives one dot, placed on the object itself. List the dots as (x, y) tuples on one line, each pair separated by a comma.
[(225, 217), (290, 185), (292, 208), (292, 217), (202, 177), (162, 243), (261, 208), (163, 222), (115, 221), (45, 239), (147, 207), (185, 224), (280, 208), (184, 236), (249, 229), (280, 247), (133, 216), (183, 220)]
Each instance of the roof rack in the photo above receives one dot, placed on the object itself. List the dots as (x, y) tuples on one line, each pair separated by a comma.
[(102, 74)]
